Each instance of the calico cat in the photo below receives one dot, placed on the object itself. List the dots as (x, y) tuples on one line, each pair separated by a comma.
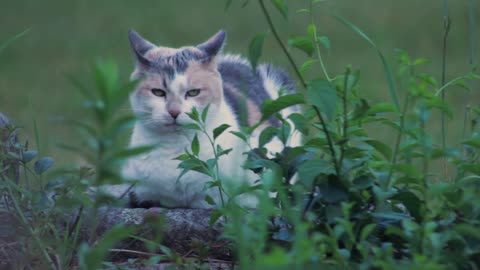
[(173, 81)]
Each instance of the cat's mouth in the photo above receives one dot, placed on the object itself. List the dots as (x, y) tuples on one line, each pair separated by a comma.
[(173, 125)]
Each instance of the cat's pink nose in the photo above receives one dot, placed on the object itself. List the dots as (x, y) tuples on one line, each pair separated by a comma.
[(174, 113)]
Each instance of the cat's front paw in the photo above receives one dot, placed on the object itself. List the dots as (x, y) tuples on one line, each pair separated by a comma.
[(135, 202)]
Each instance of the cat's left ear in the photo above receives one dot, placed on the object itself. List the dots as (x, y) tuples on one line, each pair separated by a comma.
[(213, 45), (140, 47)]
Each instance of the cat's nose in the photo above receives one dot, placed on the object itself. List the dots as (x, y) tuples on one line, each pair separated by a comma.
[(174, 113)]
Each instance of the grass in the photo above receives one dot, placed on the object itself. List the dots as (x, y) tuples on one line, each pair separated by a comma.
[(66, 37)]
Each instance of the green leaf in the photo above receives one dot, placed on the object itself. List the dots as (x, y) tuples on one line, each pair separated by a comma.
[(300, 122), (240, 135), (312, 31), (183, 156), (413, 204), (29, 155), (322, 95), (270, 107), (267, 135), (209, 200), (366, 231), (332, 190), (302, 43), (194, 115), (381, 108), (325, 41), (195, 145), (306, 66), (227, 4), (92, 257), (386, 68), (216, 214), (192, 126), (390, 216), (9, 41), (255, 48), (362, 182), (132, 152), (205, 113), (381, 147), (310, 169), (281, 6), (221, 151), (219, 130), (468, 230), (193, 164), (43, 165), (272, 176), (475, 142)]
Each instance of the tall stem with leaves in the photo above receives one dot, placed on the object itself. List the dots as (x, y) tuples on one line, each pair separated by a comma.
[(323, 123), (446, 30), (317, 46)]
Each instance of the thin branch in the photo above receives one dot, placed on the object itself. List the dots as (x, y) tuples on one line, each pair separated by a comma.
[(329, 140), (317, 46), (304, 84), (446, 27), (345, 116), (279, 41)]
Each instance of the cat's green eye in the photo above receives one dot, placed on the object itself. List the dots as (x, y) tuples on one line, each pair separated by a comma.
[(159, 92), (193, 92)]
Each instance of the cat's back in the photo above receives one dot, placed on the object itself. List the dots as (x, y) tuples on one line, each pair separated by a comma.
[(245, 89)]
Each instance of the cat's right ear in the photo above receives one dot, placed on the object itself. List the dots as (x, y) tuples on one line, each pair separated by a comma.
[(140, 46), (213, 45)]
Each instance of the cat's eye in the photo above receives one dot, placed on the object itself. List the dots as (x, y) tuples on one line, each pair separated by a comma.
[(159, 92), (193, 92)]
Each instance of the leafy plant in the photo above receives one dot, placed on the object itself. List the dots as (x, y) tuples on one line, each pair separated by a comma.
[(359, 202)]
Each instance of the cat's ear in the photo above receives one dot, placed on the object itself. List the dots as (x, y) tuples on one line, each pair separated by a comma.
[(214, 44), (139, 46)]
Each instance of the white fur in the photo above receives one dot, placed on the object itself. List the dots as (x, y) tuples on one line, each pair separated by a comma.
[(158, 172)]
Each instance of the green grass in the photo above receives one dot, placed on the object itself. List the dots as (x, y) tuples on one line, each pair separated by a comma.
[(66, 37)]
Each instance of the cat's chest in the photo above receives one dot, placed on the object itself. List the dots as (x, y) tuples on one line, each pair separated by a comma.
[(161, 161)]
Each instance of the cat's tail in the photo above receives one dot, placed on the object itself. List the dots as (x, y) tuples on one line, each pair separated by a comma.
[(276, 83)]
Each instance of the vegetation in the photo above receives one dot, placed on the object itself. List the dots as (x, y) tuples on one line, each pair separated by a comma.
[(343, 200)]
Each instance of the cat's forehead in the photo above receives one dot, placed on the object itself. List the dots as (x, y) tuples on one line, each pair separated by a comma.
[(172, 61)]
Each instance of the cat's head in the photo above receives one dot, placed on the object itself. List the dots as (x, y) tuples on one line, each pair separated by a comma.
[(172, 81)]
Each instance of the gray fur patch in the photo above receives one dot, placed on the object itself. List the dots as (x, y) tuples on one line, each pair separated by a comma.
[(239, 80), (176, 63)]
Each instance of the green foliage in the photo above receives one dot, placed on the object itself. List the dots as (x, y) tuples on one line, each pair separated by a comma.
[(344, 199), (255, 48), (52, 206)]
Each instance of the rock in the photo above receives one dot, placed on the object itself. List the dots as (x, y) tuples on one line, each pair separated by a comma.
[(181, 230)]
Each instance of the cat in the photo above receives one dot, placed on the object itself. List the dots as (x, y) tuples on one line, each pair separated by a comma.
[(173, 81)]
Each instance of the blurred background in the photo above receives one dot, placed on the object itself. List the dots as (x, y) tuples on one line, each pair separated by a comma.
[(66, 37)]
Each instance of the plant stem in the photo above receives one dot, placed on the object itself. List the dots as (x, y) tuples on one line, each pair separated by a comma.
[(446, 27), (345, 116), (317, 46), (393, 162), (304, 84), (279, 41), (329, 140), (217, 171)]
